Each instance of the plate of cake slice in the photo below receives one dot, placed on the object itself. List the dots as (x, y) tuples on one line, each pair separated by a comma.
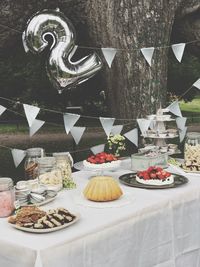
[(35, 220)]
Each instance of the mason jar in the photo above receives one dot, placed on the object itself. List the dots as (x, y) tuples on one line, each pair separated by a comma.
[(49, 173), (7, 197), (192, 151), (64, 161)]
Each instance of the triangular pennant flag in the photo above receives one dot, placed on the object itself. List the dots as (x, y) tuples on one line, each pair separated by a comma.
[(97, 149), (148, 54), (152, 124), (37, 124), (197, 84), (132, 136), (109, 55), (144, 124), (182, 134), (175, 109), (69, 121), (18, 156), (31, 113), (178, 50), (116, 129), (2, 109), (77, 133), (107, 124), (180, 121)]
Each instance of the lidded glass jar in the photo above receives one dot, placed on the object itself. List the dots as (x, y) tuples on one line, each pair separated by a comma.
[(192, 151), (31, 162), (7, 197), (49, 173), (64, 161)]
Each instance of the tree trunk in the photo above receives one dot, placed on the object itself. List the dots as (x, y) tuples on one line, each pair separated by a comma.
[(134, 88)]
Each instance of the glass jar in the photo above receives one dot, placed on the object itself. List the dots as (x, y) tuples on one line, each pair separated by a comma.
[(64, 161), (31, 162), (49, 174), (7, 197), (192, 151)]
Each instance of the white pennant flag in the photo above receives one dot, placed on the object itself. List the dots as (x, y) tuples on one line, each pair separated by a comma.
[(31, 113), (182, 134), (148, 54), (197, 84), (178, 50), (109, 55), (152, 124), (132, 136), (175, 109), (144, 124), (18, 156), (69, 121), (77, 133), (37, 124), (97, 149), (116, 129), (2, 109), (107, 124), (180, 121)]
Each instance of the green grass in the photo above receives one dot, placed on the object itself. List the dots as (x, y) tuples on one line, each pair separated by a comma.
[(191, 110), (191, 107)]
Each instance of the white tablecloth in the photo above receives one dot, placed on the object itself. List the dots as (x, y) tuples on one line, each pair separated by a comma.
[(159, 228)]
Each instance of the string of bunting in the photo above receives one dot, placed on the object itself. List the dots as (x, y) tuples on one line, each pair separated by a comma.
[(31, 113), (110, 52)]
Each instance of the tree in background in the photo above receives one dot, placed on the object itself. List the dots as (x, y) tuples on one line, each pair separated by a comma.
[(133, 89)]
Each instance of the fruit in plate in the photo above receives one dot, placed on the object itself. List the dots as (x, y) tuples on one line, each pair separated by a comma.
[(155, 176), (102, 157), (101, 160)]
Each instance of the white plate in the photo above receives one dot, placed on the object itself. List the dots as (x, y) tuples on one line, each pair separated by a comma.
[(43, 202), (48, 230), (125, 199)]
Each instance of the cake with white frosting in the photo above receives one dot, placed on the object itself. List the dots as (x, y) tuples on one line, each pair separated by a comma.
[(155, 176), (101, 161)]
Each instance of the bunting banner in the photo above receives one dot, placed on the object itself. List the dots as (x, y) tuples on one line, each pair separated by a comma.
[(31, 113), (144, 125), (148, 53), (109, 55), (116, 129), (180, 122), (178, 50), (2, 109), (77, 133), (36, 125), (18, 155), (70, 120), (107, 124), (175, 109), (197, 84), (132, 136), (182, 134), (97, 149)]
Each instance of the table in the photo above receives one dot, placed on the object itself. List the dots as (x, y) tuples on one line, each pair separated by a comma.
[(159, 228)]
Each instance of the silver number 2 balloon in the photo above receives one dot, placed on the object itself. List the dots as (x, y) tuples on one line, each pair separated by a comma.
[(62, 72)]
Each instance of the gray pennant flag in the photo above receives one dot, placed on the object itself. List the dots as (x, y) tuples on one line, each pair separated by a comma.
[(132, 136)]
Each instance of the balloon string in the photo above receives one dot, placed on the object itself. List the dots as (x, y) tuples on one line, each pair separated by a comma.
[(99, 48)]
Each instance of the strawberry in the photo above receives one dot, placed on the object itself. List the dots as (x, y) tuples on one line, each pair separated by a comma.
[(153, 175)]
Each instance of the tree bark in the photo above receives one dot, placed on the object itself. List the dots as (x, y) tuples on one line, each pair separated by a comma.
[(133, 87)]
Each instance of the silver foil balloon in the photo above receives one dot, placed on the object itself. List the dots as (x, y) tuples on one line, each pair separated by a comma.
[(62, 71)]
